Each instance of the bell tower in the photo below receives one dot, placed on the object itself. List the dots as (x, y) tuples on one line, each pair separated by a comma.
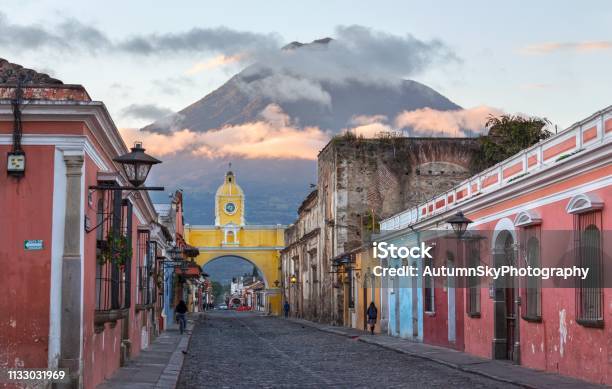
[(230, 237), (229, 203)]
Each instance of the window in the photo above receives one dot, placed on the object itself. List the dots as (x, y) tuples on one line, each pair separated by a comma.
[(528, 222), (314, 273), (532, 293), (113, 221), (351, 279), (473, 289), (143, 245), (429, 289), (589, 292)]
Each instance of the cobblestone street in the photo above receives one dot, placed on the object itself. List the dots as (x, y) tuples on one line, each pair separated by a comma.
[(230, 349)]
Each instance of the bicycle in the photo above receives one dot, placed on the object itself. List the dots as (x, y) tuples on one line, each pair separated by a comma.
[(182, 321)]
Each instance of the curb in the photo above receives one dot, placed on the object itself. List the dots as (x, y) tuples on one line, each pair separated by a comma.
[(446, 363), (170, 375)]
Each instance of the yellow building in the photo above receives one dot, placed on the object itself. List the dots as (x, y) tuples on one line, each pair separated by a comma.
[(231, 236)]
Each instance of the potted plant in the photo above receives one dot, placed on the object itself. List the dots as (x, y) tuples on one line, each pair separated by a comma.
[(115, 249)]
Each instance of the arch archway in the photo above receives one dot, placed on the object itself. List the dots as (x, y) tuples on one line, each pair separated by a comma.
[(505, 304), (221, 258), (265, 260)]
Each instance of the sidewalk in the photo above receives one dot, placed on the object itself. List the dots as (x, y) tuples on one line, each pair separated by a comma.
[(158, 366), (502, 371)]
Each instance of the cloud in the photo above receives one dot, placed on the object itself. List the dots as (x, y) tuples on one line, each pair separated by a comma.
[(160, 144), (360, 120), (551, 47), (356, 52), (264, 140), (220, 40), (370, 126), (303, 72), (71, 34), (218, 61), (455, 123), (287, 88), (172, 85), (149, 112), (274, 136), (361, 53), (275, 115), (167, 124)]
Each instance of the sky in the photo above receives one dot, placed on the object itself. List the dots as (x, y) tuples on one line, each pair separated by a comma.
[(548, 59)]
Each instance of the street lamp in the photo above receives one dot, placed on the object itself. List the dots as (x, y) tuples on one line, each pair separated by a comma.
[(137, 164), (459, 223)]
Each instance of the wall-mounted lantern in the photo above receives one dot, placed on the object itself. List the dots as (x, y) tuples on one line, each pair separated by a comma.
[(459, 223), (16, 159), (293, 279), (137, 164)]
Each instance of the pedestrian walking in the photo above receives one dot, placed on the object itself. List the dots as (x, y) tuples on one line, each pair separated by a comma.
[(181, 311), (286, 307), (372, 314)]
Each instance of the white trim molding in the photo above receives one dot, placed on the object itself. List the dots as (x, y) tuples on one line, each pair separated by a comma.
[(527, 218), (584, 202), (65, 143), (504, 224)]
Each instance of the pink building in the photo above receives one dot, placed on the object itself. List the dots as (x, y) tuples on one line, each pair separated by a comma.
[(549, 205), (67, 301)]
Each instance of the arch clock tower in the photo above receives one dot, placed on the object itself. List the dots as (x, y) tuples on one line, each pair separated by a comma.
[(231, 236), (229, 205)]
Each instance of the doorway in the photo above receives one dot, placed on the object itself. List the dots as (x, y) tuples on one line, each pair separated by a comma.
[(506, 336)]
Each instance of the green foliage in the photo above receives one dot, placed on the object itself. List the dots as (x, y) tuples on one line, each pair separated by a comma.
[(564, 156), (346, 136), (116, 249), (518, 177), (370, 222), (507, 136), (217, 290)]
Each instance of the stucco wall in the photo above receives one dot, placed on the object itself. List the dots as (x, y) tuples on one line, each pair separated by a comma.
[(25, 276), (557, 343), (358, 179)]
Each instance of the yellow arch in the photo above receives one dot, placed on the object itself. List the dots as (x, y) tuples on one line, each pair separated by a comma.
[(259, 245)]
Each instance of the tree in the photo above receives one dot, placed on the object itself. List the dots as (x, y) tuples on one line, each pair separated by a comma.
[(255, 273), (507, 136), (217, 290)]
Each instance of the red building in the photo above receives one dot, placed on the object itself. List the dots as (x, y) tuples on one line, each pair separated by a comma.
[(548, 206), (68, 300)]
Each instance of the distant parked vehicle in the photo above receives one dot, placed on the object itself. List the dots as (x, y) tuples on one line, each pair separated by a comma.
[(223, 306)]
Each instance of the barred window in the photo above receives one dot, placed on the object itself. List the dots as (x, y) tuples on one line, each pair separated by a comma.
[(589, 292), (532, 293), (112, 228), (143, 279), (473, 290)]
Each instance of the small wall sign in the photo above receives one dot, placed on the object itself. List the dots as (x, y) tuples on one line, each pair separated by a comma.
[(34, 244)]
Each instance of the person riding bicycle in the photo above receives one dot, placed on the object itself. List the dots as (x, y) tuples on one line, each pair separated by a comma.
[(181, 311)]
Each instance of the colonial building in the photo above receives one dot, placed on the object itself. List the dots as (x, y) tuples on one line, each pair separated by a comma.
[(78, 257), (232, 236), (360, 181), (549, 205)]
